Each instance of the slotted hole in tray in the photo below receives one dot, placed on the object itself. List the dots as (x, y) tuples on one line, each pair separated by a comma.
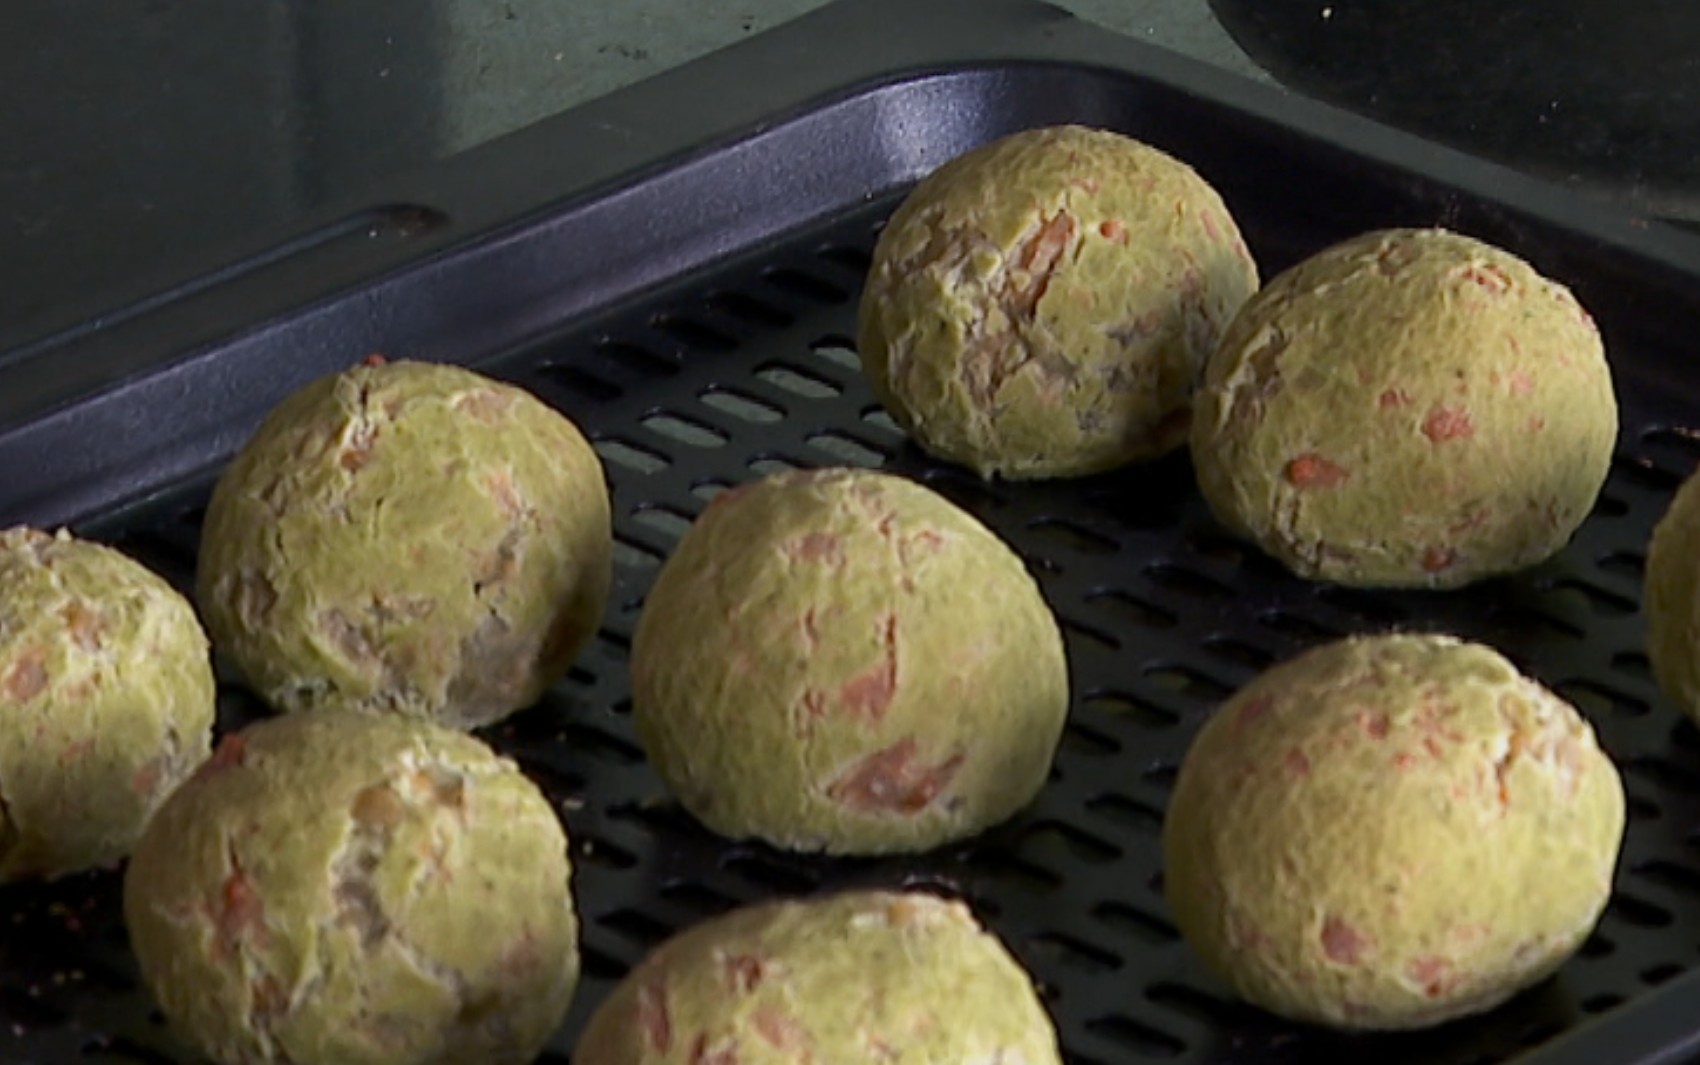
[(881, 420), (797, 381), (636, 926), (687, 431), (581, 382), (1187, 581), (1189, 683), (742, 406), (749, 309), (663, 519), (1072, 537), (1074, 954), (847, 449), (1125, 608), (1134, 1037), (631, 456), (808, 285), (1681, 442), (595, 850), (1630, 564), (1642, 473), (1127, 813), (637, 359), (1608, 507), (1599, 700), (692, 333), (633, 555), (1121, 706), (1131, 922), (1298, 627), (767, 465), (838, 350), (858, 260)]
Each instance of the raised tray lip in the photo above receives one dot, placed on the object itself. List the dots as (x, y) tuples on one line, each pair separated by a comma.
[(846, 48), (613, 142)]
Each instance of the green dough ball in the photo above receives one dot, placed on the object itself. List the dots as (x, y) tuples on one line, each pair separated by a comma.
[(1411, 408), (845, 661), (897, 979), (1389, 832), (1672, 599), (343, 888), (106, 688), (408, 537), (1042, 305)]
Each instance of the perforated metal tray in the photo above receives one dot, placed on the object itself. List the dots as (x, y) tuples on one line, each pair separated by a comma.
[(687, 295)]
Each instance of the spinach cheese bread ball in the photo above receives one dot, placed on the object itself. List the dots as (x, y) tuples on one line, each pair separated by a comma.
[(844, 661), (1041, 306), (346, 888), (1388, 832), (407, 537), (1410, 408), (106, 696), (1671, 595), (865, 976)]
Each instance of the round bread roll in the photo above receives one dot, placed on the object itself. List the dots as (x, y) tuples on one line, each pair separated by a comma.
[(1672, 599), (343, 888), (1411, 408), (1042, 305), (408, 537), (868, 976), (1389, 832), (844, 661), (107, 689)]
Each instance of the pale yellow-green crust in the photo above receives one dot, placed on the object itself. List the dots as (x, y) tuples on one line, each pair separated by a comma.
[(867, 976), (1672, 599), (106, 701), (1410, 408), (349, 888), (1041, 306), (844, 661), (1389, 832), (408, 537)]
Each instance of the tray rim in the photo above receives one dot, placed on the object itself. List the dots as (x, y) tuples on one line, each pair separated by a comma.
[(825, 56), (836, 52)]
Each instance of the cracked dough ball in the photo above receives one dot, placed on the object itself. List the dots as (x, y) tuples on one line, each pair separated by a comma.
[(1389, 832), (1408, 408), (866, 976), (342, 888), (1041, 306), (106, 689), (1672, 599), (410, 537), (845, 661)]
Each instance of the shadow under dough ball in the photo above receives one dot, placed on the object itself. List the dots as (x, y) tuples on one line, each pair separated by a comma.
[(1389, 832), (107, 695), (1409, 408), (844, 661), (1041, 306), (408, 537), (861, 976), (340, 887)]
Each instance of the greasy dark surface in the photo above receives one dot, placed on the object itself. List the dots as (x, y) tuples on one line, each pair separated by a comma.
[(1598, 94), (745, 370)]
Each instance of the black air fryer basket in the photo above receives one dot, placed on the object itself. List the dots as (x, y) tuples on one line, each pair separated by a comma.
[(676, 267)]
